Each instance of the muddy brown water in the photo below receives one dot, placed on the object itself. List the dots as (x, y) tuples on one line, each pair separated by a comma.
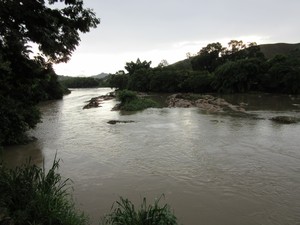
[(213, 168)]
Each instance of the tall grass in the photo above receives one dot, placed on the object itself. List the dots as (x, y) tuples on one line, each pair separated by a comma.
[(30, 195), (123, 212)]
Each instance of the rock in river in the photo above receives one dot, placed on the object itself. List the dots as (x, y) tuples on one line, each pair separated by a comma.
[(95, 102), (285, 119), (120, 121), (207, 103)]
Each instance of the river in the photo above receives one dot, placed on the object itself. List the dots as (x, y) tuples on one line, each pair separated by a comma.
[(213, 168)]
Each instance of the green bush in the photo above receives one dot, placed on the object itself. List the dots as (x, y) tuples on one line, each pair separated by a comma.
[(131, 102), (125, 213), (139, 104), (125, 96), (30, 195)]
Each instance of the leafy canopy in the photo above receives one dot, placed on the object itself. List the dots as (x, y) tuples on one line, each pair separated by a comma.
[(54, 30), (132, 67)]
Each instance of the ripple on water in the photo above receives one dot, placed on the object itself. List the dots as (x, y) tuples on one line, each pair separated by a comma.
[(217, 168)]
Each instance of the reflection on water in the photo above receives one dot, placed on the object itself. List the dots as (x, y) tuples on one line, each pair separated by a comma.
[(213, 168)]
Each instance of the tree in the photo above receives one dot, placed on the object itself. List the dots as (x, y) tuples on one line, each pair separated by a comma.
[(131, 67), (238, 76), (283, 74), (163, 63), (198, 81), (166, 80), (253, 51), (25, 81), (212, 48), (234, 46), (208, 58), (238, 50), (188, 55), (56, 31), (118, 80), (140, 79)]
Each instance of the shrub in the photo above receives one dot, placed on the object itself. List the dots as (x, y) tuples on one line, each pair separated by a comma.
[(131, 102), (124, 212), (139, 104), (125, 96)]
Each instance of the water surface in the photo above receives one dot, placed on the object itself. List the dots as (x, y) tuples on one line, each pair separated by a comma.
[(213, 168)]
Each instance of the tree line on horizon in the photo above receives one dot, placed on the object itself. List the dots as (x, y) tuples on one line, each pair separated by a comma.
[(238, 68), (82, 82)]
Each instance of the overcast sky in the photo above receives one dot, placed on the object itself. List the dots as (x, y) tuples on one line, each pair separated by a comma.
[(154, 30)]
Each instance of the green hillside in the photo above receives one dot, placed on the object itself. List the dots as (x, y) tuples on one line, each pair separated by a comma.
[(100, 76), (182, 65), (270, 50)]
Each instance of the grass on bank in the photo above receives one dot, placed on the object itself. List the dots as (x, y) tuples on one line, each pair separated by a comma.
[(30, 195), (124, 212), (130, 101)]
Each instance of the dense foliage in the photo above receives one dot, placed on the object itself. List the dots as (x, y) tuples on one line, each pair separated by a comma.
[(237, 68), (56, 31), (27, 80), (31, 195)]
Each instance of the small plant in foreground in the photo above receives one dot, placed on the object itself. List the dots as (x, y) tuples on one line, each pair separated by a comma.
[(30, 195), (123, 212)]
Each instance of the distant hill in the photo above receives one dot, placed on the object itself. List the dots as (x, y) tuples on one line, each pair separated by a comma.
[(182, 65), (270, 50), (100, 76), (62, 77)]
